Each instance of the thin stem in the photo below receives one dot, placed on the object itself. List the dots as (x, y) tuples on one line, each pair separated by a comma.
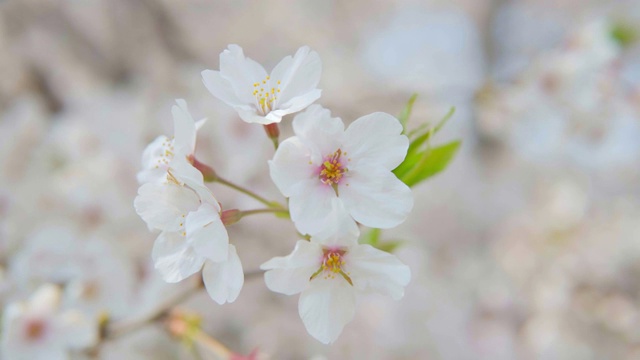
[(262, 211), (121, 328), (244, 191), (118, 329), (196, 353), (253, 274), (212, 344)]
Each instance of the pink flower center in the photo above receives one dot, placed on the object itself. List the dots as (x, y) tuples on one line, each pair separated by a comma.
[(332, 169), (35, 329), (332, 263)]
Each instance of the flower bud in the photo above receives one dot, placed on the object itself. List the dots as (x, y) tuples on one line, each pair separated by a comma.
[(273, 132), (207, 171), (232, 216)]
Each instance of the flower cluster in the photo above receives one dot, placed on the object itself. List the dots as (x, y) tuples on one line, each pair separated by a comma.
[(334, 179), (177, 203)]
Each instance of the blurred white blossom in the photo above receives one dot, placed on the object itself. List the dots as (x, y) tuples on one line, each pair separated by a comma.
[(39, 329)]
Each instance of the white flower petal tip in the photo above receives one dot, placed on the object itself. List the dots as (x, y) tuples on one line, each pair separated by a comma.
[(330, 278), (224, 280), (158, 155), (264, 98), (336, 177)]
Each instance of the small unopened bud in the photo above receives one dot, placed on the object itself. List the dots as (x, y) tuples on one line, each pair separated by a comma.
[(273, 132), (207, 171), (252, 356), (232, 216), (183, 324)]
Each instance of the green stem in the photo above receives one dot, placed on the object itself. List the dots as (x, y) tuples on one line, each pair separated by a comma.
[(262, 211), (244, 191)]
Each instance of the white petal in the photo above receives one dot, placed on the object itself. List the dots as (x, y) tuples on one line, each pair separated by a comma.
[(184, 129), (290, 274), (220, 88), (154, 175), (155, 160), (241, 72), (310, 206), (318, 130), (297, 103), (376, 139), (298, 76), (252, 117), (373, 269), (275, 116), (78, 332), (375, 197), (185, 173), (326, 307), (174, 259), (224, 280), (46, 299), (339, 228), (162, 206), (206, 233), (200, 123), (290, 165)]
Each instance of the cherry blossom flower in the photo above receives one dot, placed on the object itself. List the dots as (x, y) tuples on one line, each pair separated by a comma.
[(159, 153), (39, 330), (97, 278), (334, 176), (262, 98), (193, 235), (330, 276)]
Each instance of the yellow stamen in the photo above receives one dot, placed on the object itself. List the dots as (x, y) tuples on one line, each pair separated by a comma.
[(332, 170)]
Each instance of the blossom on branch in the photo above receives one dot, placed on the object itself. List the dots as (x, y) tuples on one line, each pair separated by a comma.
[(192, 237), (329, 276), (262, 98), (334, 177), (159, 153)]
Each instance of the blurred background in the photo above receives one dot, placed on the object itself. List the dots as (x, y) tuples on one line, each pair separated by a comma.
[(526, 247)]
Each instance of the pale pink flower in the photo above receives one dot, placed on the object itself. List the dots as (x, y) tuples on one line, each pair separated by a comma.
[(264, 98), (334, 177)]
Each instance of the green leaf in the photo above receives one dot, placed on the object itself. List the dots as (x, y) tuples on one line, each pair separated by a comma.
[(424, 164), (409, 163), (371, 237), (406, 112), (624, 34), (423, 134)]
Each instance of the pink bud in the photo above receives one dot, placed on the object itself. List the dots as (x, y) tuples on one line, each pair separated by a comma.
[(252, 356), (272, 130), (232, 216), (207, 171)]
